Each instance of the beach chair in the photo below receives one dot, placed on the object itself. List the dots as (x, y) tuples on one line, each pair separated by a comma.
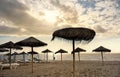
[(7, 65), (37, 60), (15, 65)]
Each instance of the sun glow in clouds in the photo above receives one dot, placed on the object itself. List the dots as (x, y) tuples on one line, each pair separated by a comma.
[(51, 16)]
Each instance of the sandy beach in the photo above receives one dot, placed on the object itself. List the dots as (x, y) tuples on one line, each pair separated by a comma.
[(64, 69)]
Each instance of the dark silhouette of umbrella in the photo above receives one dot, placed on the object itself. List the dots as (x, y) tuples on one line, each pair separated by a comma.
[(8, 54), (3, 50), (17, 47), (10, 45), (14, 55), (75, 34), (31, 42), (78, 50), (101, 49), (23, 53), (46, 51), (32, 52), (61, 51)]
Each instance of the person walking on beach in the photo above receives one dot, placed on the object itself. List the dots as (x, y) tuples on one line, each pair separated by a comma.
[(54, 58)]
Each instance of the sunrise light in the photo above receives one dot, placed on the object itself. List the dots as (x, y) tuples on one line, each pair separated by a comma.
[(51, 16)]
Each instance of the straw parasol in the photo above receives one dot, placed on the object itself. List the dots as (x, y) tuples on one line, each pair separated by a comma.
[(8, 54), (78, 50), (101, 49), (31, 42), (61, 51), (46, 51), (75, 34), (10, 45), (3, 50), (23, 53), (14, 54), (32, 52)]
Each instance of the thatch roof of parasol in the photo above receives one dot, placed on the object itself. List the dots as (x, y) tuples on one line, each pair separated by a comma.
[(61, 51), (78, 34), (101, 49), (79, 50)]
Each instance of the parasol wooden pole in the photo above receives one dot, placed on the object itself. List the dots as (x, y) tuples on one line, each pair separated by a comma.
[(53, 57), (10, 58), (73, 58), (102, 57), (47, 56), (79, 56), (61, 57), (32, 58), (24, 58), (44, 56)]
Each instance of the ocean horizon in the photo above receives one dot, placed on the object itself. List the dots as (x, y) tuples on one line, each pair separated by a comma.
[(83, 56)]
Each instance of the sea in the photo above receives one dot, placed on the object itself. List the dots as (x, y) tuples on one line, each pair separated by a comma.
[(65, 56)]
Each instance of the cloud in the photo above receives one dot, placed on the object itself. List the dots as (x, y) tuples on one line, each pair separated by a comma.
[(117, 4), (87, 3), (8, 30), (12, 10), (68, 13), (100, 29), (16, 13), (27, 15)]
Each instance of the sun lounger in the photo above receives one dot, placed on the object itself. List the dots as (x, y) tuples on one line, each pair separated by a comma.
[(4, 66), (24, 61), (14, 65), (37, 60), (7, 65)]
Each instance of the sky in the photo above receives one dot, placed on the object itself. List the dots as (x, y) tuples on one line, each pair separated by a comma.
[(20, 19)]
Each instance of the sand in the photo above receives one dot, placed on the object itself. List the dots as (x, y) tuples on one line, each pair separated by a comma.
[(64, 69)]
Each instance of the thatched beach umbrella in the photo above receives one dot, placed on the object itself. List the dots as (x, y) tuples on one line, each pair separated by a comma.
[(8, 54), (75, 34), (78, 50), (31, 42), (61, 51), (101, 49), (8, 57), (14, 56), (3, 50), (10, 45), (46, 51), (23, 53), (32, 52)]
